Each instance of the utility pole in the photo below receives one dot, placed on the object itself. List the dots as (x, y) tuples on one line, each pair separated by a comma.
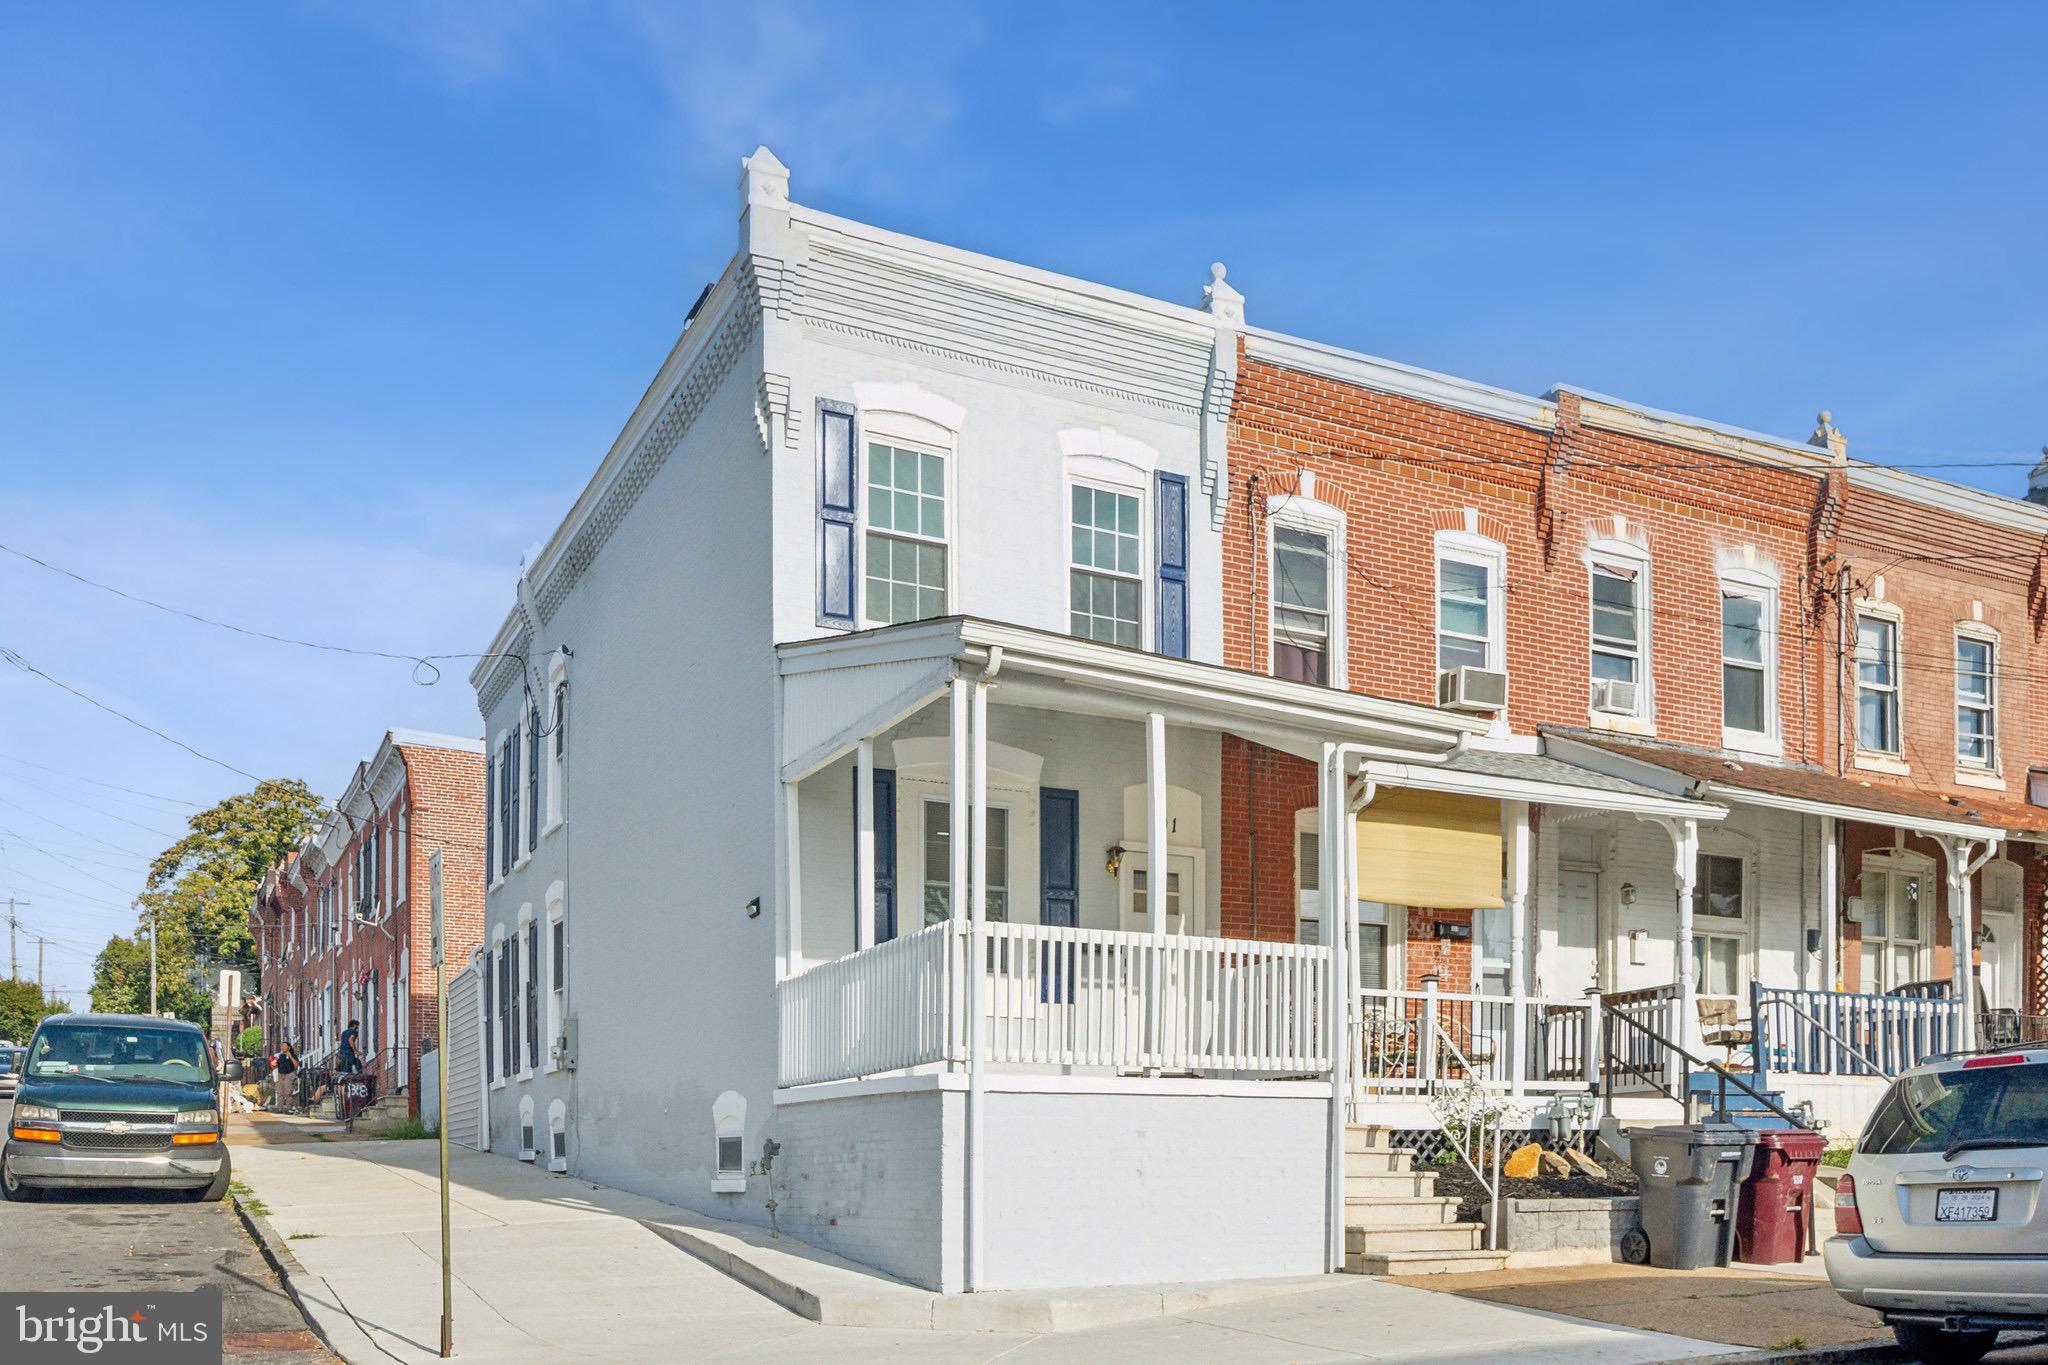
[(13, 924), (39, 970), (152, 961)]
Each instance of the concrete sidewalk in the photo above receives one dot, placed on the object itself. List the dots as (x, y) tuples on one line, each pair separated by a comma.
[(551, 1268)]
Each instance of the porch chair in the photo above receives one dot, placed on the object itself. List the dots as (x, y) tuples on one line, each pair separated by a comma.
[(1722, 1026)]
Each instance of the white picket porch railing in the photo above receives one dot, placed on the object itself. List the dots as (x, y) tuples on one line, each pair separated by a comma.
[(1058, 997), (1412, 1042), (884, 1008)]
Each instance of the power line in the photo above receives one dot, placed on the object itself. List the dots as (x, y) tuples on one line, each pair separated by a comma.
[(25, 666), (111, 786)]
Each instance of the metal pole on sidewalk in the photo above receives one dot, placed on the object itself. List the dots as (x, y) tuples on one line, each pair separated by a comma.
[(441, 1090)]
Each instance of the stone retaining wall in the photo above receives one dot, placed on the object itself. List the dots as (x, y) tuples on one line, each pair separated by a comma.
[(1559, 1225)]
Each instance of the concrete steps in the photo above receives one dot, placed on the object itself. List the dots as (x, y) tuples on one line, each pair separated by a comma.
[(1396, 1223)]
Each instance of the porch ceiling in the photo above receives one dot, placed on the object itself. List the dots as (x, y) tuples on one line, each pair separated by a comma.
[(1777, 786), (838, 689)]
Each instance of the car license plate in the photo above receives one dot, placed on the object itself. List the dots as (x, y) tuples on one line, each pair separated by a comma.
[(1965, 1206)]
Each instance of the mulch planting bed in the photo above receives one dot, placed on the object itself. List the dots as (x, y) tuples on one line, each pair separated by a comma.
[(1458, 1181)]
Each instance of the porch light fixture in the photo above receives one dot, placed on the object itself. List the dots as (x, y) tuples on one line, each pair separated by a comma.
[(1628, 893), (1113, 863)]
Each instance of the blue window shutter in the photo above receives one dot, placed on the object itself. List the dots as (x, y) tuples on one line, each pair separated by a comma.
[(1171, 605), (532, 778), (1059, 872), (1059, 887), (885, 853), (838, 497)]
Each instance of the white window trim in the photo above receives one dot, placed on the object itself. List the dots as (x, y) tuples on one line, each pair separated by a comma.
[(1469, 547), (911, 431), (554, 1011), (1763, 588), (1899, 862), (495, 1045), (1747, 954), (1967, 772), (1107, 475), (1879, 760), (557, 773), (1628, 557), (1306, 513), (522, 971)]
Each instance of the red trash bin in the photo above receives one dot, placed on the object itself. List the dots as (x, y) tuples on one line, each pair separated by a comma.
[(1775, 1202)]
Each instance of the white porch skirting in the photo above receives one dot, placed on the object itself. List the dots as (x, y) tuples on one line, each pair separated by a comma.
[(1109, 1185)]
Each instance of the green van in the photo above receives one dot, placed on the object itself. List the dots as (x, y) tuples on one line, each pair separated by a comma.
[(117, 1100)]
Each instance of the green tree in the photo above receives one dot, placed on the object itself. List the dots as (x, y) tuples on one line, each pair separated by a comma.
[(21, 1007), (196, 899), (120, 982)]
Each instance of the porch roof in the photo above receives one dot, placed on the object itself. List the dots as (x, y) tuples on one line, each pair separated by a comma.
[(1779, 786), (837, 689), (1545, 779)]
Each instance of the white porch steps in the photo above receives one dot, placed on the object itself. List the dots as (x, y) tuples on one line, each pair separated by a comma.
[(1395, 1222)]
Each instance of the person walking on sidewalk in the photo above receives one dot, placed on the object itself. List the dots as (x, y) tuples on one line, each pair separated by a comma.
[(286, 1065), (351, 1058)]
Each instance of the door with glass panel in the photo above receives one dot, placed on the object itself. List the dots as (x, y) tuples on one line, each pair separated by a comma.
[(1720, 929), (1894, 926)]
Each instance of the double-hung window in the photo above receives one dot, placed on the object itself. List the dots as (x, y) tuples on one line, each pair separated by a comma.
[(1719, 926), (1743, 667), (907, 534), (938, 862), (1105, 586), (1468, 591), (1617, 638), (1976, 702), (1303, 559), (1877, 684)]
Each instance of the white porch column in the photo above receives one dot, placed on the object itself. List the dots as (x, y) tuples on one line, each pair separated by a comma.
[(977, 986), (1963, 858), (1830, 904), (793, 880), (1685, 840), (1515, 818), (864, 844), (957, 839), (1331, 800), (1156, 871)]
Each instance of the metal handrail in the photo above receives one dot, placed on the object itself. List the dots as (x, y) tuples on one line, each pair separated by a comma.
[(1858, 1053), (1723, 1076), (1491, 1187)]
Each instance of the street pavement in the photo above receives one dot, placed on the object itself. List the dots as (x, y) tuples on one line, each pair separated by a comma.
[(555, 1269), (134, 1240)]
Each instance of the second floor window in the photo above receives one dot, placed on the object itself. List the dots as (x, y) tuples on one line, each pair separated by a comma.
[(1877, 684), (1464, 614), (1301, 604), (1976, 702), (1617, 638), (906, 541), (1105, 586), (1743, 670)]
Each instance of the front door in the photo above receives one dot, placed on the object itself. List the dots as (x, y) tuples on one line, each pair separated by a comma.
[(1183, 892), (1570, 959), (1999, 961)]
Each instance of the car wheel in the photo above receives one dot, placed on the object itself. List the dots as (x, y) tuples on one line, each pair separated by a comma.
[(1936, 1347), (215, 1190), (16, 1192)]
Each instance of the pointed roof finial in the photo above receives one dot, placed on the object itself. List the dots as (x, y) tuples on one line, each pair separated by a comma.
[(1220, 298), (764, 181)]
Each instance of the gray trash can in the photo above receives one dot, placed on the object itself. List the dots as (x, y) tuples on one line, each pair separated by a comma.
[(1689, 1175)]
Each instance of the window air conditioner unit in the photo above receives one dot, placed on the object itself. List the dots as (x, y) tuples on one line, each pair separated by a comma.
[(1472, 689), (1614, 697)]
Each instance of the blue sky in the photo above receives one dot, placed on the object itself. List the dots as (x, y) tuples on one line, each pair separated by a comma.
[(315, 316)]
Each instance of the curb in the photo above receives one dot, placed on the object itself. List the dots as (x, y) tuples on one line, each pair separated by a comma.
[(1848, 1353), (287, 1266)]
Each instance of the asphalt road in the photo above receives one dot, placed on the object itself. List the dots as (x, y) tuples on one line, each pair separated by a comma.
[(137, 1239)]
